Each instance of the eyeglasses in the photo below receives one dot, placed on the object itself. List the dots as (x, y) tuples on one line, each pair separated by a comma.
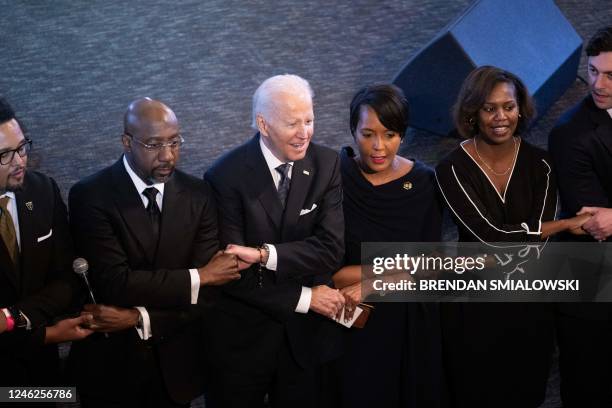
[(173, 144), (22, 150)]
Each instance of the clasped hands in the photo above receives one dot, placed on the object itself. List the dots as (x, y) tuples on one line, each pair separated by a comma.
[(326, 301), (599, 224)]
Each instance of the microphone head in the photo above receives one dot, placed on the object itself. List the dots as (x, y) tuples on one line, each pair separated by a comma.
[(80, 266)]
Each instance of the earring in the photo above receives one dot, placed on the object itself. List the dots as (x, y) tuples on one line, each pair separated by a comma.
[(520, 116), (471, 121)]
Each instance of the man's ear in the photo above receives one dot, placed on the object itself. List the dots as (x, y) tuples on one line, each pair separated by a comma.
[(262, 125), (126, 142)]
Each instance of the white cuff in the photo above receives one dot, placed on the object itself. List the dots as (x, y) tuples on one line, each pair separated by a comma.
[(195, 285), (526, 228), (273, 259), (304, 303), (28, 322), (145, 332)]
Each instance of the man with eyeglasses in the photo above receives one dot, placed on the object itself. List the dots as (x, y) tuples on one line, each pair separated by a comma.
[(36, 282), (149, 232)]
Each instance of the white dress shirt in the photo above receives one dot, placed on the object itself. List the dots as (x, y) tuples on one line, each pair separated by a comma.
[(273, 162)]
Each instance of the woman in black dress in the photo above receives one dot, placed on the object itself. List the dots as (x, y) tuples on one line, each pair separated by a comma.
[(387, 198), (499, 189)]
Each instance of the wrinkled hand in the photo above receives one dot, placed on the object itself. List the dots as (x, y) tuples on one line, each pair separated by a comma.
[(111, 318), (599, 226), (352, 297), (221, 268), (247, 255), (327, 301), (69, 329)]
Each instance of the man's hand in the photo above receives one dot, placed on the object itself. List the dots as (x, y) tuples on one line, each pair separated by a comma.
[(600, 224), (327, 301), (111, 318), (69, 329), (248, 255), (221, 268), (2, 322)]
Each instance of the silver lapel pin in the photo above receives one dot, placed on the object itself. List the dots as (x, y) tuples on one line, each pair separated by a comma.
[(30, 205), (306, 172)]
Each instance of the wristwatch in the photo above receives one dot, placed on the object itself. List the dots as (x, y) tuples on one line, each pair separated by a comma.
[(19, 318)]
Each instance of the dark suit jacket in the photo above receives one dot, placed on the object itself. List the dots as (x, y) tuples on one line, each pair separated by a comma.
[(310, 248), (581, 148), (42, 287), (112, 231)]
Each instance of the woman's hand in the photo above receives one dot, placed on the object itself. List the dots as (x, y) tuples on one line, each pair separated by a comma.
[(352, 296), (576, 223)]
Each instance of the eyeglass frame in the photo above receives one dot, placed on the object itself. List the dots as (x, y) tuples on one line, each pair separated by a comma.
[(26, 142), (157, 147)]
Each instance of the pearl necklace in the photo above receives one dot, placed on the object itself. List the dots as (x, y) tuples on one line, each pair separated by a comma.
[(491, 168)]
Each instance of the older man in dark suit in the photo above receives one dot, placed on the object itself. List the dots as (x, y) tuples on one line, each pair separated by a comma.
[(581, 147), (149, 232), (280, 209), (36, 282)]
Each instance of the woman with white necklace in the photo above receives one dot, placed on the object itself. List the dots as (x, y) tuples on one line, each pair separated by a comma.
[(499, 189)]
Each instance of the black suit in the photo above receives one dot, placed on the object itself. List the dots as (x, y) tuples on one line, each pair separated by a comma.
[(42, 286), (127, 268), (581, 147), (254, 325)]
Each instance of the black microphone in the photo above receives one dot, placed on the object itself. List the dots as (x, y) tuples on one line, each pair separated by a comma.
[(80, 267)]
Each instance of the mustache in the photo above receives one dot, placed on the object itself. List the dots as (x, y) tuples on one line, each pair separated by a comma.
[(18, 169)]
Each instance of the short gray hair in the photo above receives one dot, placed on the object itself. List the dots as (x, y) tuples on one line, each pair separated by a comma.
[(263, 98)]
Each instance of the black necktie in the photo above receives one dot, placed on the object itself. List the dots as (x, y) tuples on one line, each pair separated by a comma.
[(153, 209), (285, 182)]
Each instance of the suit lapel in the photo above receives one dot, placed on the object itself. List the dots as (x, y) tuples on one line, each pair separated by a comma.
[(27, 209), (173, 215), (603, 124), (8, 268), (301, 178), (262, 185), (132, 210)]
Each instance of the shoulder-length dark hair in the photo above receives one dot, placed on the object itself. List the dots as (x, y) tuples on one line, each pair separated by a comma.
[(389, 103), (474, 92)]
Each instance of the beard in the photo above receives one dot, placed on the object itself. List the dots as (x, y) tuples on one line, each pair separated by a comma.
[(13, 184)]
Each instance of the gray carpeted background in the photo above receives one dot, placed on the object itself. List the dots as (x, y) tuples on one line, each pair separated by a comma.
[(71, 67)]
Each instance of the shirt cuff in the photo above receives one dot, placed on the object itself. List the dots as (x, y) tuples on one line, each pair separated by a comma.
[(272, 259), (529, 232), (145, 331), (304, 303), (28, 322), (195, 285)]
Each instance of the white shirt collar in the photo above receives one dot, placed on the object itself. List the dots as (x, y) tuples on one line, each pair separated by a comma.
[(610, 112), (141, 185), (12, 209), (273, 162), (10, 194)]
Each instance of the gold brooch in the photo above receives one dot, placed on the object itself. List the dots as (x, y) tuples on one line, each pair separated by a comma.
[(407, 185)]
